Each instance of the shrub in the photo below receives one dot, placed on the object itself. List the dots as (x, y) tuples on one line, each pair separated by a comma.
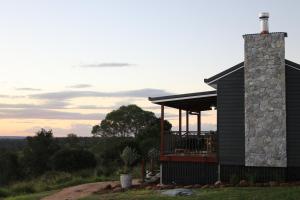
[(9, 167), (3, 193), (251, 178), (234, 179), (54, 177), (23, 188), (108, 152), (38, 152), (85, 173), (69, 160)]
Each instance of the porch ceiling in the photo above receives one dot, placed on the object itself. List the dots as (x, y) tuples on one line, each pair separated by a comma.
[(194, 102)]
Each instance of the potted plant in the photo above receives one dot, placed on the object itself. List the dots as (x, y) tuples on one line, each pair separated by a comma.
[(129, 157)]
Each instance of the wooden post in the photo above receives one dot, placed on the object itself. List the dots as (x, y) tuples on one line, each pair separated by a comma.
[(143, 170), (180, 122), (199, 123), (187, 122), (162, 129)]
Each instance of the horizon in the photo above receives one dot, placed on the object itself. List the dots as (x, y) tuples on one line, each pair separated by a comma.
[(65, 65)]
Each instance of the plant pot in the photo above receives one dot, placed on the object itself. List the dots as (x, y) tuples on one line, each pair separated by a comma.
[(126, 180)]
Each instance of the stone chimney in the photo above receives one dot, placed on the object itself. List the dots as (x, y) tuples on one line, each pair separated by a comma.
[(265, 103)]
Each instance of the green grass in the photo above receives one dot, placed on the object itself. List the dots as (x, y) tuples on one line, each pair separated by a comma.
[(48, 182), (36, 196), (251, 193)]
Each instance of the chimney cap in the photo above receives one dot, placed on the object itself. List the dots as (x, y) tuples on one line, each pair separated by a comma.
[(263, 15)]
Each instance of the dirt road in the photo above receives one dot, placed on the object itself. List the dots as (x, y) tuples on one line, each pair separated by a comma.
[(79, 191)]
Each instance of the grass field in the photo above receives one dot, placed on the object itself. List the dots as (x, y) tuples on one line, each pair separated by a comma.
[(36, 196), (250, 193)]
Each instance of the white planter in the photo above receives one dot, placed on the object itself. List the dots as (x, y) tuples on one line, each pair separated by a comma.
[(126, 180)]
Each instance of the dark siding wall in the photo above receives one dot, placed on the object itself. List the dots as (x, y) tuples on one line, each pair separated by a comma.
[(189, 173), (293, 116), (231, 125), (260, 174)]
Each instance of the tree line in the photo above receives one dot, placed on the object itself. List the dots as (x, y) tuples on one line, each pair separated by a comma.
[(127, 126)]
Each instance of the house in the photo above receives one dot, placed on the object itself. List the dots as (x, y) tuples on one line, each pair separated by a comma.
[(258, 120)]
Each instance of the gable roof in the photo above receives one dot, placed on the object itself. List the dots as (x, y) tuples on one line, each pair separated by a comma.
[(213, 79)]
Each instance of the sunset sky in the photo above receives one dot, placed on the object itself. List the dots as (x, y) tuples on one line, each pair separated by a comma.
[(64, 64)]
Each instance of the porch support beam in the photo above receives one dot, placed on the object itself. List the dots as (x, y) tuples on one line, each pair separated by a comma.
[(180, 121), (187, 122), (162, 129), (199, 123)]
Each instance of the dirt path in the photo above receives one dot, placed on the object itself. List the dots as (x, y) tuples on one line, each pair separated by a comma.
[(80, 191)]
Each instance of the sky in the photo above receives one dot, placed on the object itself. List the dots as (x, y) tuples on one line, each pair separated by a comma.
[(64, 64)]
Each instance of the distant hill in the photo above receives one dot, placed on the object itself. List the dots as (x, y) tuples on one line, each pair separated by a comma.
[(13, 137)]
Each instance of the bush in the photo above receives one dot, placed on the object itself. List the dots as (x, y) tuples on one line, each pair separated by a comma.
[(69, 160), (38, 151), (9, 167), (234, 179), (251, 178), (3, 193), (54, 177), (85, 173), (23, 188), (108, 152)]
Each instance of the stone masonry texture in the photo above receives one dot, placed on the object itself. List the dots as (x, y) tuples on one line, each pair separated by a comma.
[(265, 102)]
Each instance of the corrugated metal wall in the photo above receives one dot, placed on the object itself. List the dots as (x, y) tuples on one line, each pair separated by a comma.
[(187, 173), (260, 174)]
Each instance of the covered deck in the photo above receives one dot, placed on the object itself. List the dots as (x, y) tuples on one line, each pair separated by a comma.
[(188, 145)]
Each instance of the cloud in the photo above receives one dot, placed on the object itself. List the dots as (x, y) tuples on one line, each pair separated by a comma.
[(47, 105), (80, 86), (78, 129), (107, 65), (91, 107), (65, 95), (27, 89), (47, 114)]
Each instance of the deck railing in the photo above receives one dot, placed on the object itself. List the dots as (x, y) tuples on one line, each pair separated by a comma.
[(190, 143)]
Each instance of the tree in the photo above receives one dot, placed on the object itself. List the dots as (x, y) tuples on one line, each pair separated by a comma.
[(126, 121), (69, 160), (72, 141), (9, 167), (150, 136), (38, 152)]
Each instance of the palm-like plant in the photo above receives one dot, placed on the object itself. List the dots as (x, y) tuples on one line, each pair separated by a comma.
[(129, 157)]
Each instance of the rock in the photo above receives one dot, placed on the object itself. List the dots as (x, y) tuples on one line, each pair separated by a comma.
[(259, 184), (266, 184), (108, 187), (273, 183), (149, 187), (170, 186), (296, 183), (118, 189), (117, 185), (197, 186), (228, 185), (243, 183), (188, 186), (218, 183), (205, 186), (284, 184), (164, 187), (178, 192)]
